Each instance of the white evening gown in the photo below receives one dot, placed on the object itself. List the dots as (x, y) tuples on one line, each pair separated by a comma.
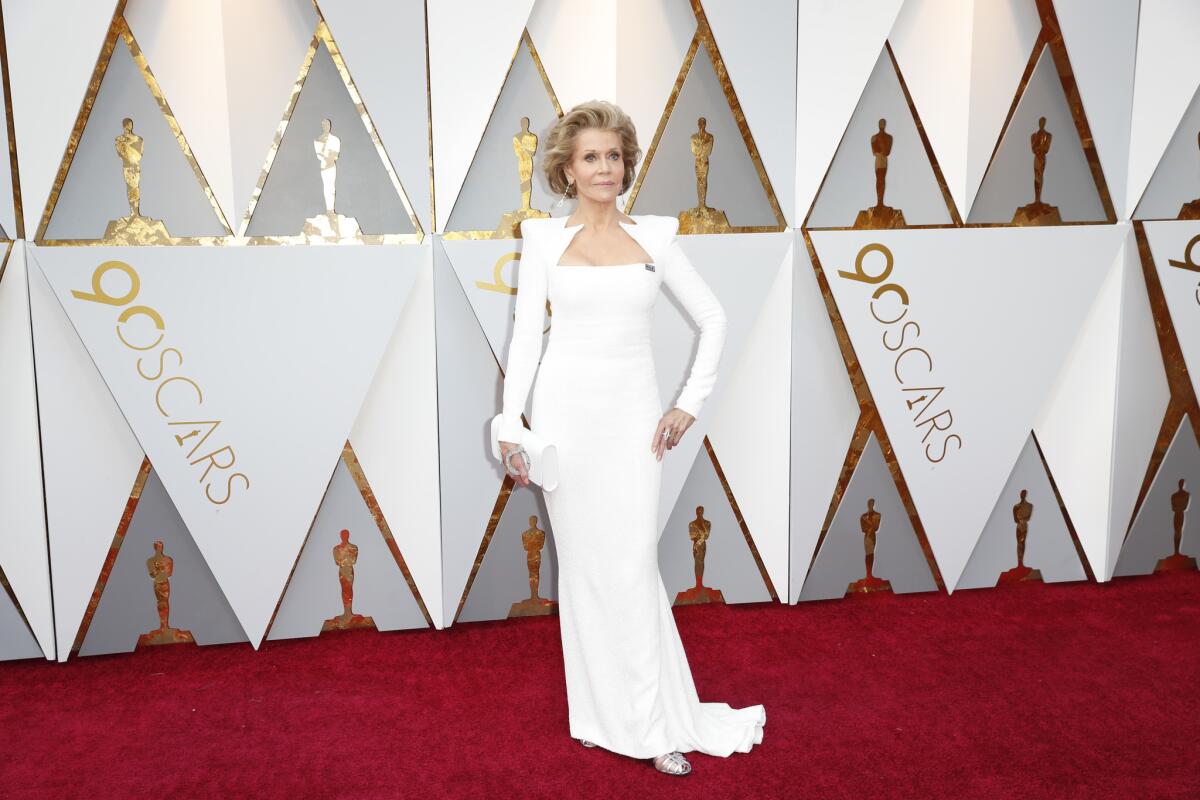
[(629, 687)]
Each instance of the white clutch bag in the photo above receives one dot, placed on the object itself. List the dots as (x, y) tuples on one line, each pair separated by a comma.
[(543, 456)]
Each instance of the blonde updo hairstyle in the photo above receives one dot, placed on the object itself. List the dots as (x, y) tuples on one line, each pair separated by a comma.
[(560, 144)]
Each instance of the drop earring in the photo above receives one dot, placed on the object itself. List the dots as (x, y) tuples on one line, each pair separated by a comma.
[(563, 197)]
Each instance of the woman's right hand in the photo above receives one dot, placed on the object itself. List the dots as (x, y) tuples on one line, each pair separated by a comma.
[(518, 462)]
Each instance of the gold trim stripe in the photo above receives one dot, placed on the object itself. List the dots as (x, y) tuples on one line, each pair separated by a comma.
[(18, 208)]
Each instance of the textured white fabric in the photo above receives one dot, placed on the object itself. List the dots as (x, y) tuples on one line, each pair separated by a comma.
[(629, 687)]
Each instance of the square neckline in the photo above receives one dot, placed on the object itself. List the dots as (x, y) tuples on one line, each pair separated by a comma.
[(579, 226)]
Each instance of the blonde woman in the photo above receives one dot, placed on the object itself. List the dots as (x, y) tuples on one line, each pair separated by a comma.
[(629, 688)]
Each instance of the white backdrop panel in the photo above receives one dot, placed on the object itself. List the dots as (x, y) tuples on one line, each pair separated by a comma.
[(1003, 34), (185, 49), (750, 426), (765, 86), (86, 487), (1099, 426), (383, 44), (23, 556), (260, 71), (1102, 48), (932, 43), (1142, 394), (579, 67), (1165, 78), (740, 269), (264, 358), (395, 439), (848, 36), (824, 411), (655, 35), (45, 66), (981, 324), (471, 43)]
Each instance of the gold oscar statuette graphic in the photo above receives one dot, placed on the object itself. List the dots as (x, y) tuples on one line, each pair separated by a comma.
[(1037, 212), (869, 522), (880, 216), (1180, 501), (525, 144), (533, 539), (160, 568), (1191, 210), (345, 555), (1022, 513), (702, 219), (699, 530), (330, 226), (133, 229)]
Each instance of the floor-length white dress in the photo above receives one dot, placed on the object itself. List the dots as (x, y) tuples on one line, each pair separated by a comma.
[(629, 686)]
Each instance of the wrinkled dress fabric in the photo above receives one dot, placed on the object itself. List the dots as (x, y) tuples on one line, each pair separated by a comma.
[(596, 398)]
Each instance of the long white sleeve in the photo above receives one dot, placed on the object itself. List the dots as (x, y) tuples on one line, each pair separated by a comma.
[(525, 347), (707, 312)]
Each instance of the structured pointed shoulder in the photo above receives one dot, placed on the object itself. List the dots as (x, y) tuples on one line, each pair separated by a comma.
[(654, 232), (539, 227)]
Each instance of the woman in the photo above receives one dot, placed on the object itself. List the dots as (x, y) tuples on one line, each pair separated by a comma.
[(629, 688)]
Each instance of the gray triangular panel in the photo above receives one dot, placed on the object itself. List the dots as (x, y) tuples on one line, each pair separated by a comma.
[(849, 185), (1068, 182), (314, 593), (16, 640), (127, 606), (842, 558), (293, 190), (94, 191), (734, 187), (469, 394), (493, 185), (503, 577), (729, 566), (1048, 544), (1176, 179), (1152, 536)]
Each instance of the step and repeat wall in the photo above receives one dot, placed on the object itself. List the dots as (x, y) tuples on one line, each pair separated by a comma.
[(261, 259)]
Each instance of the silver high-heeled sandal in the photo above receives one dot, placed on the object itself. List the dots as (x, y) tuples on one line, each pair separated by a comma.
[(672, 764), (586, 743)]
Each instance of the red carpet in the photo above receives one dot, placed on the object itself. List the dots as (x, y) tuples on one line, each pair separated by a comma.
[(1061, 691)]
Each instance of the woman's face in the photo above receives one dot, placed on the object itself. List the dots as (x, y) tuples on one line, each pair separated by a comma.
[(597, 166)]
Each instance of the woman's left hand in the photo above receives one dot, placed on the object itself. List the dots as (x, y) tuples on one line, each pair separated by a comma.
[(674, 423)]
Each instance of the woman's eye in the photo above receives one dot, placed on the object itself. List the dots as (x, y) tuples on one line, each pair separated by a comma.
[(589, 157), (615, 156)]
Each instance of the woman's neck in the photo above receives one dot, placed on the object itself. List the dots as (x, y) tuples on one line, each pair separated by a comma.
[(595, 216)]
